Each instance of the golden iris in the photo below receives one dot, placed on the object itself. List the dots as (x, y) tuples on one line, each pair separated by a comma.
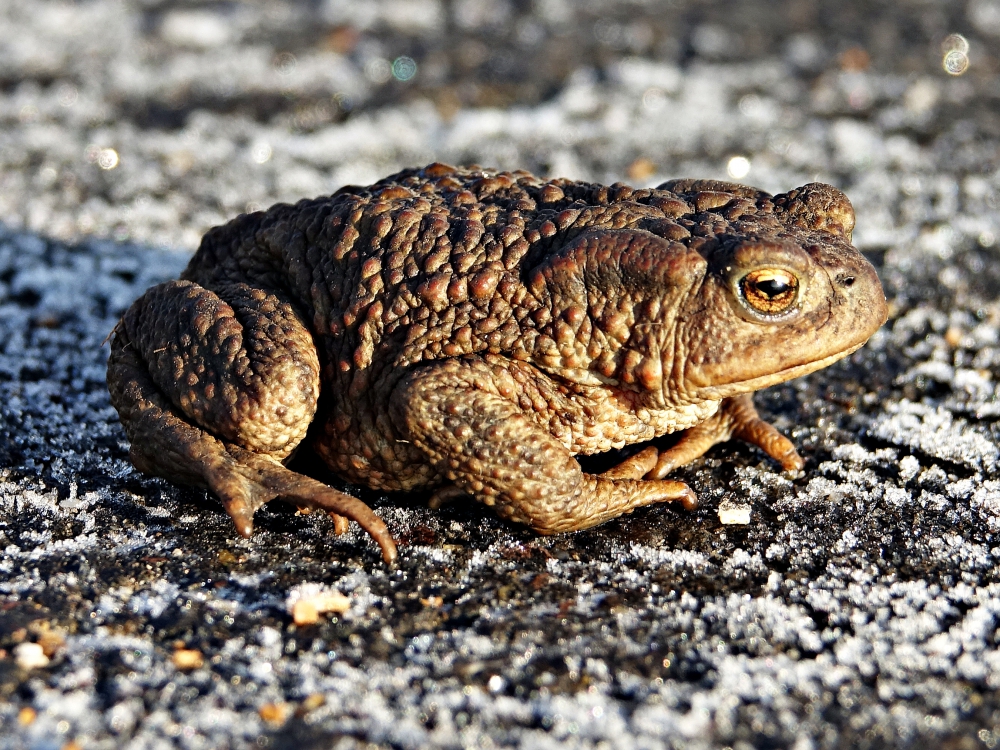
[(770, 291)]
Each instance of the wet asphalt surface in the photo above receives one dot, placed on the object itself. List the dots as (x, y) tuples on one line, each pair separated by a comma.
[(860, 606)]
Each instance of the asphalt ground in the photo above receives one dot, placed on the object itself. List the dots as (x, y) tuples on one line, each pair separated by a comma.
[(860, 605)]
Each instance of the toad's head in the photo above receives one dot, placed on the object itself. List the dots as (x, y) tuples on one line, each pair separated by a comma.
[(784, 292)]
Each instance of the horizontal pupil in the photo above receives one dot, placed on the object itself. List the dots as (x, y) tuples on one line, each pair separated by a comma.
[(772, 288)]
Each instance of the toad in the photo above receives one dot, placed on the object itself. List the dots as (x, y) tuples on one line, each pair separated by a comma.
[(472, 331)]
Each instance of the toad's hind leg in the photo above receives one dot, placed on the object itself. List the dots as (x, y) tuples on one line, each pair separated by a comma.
[(215, 389), (478, 437)]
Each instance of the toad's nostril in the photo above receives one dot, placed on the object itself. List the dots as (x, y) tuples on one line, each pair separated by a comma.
[(845, 281)]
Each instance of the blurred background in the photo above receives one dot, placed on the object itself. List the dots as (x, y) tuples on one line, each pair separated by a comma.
[(151, 120)]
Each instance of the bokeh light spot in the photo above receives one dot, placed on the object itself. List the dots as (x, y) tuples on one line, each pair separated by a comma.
[(261, 152), (285, 63), (107, 158), (67, 95), (654, 99), (955, 63), (955, 43), (738, 167), (404, 68), (378, 70)]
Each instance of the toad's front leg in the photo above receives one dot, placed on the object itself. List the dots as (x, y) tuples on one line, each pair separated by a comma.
[(736, 417), (465, 417), (215, 388)]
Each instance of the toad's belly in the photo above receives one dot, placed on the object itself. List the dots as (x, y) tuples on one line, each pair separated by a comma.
[(362, 446), (617, 426)]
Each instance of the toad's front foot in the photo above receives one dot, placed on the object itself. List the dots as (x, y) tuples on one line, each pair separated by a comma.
[(736, 417)]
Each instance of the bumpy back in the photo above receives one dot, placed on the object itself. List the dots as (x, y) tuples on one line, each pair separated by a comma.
[(424, 264)]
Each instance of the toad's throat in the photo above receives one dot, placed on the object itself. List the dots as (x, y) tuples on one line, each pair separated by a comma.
[(725, 390)]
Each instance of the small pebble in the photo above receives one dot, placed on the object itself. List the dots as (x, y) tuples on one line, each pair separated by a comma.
[(186, 659), (734, 513), (308, 601), (274, 713), (30, 656)]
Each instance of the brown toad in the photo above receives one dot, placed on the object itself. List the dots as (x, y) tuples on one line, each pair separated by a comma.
[(473, 330)]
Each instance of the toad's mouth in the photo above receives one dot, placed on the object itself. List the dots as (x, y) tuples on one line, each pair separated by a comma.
[(725, 390)]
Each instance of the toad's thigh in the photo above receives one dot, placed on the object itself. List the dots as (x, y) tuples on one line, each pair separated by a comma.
[(237, 362)]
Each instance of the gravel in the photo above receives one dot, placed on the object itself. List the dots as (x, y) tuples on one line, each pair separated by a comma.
[(860, 606)]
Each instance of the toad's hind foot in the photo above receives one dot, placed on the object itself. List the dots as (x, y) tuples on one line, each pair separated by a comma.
[(165, 445), (243, 480), (249, 480), (445, 494), (170, 419)]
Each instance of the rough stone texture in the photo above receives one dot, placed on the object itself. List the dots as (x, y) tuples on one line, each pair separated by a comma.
[(859, 607)]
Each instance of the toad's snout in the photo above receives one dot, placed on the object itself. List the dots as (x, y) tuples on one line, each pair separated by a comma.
[(856, 285)]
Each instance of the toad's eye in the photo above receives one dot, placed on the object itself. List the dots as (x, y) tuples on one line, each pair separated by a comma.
[(770, 291)]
